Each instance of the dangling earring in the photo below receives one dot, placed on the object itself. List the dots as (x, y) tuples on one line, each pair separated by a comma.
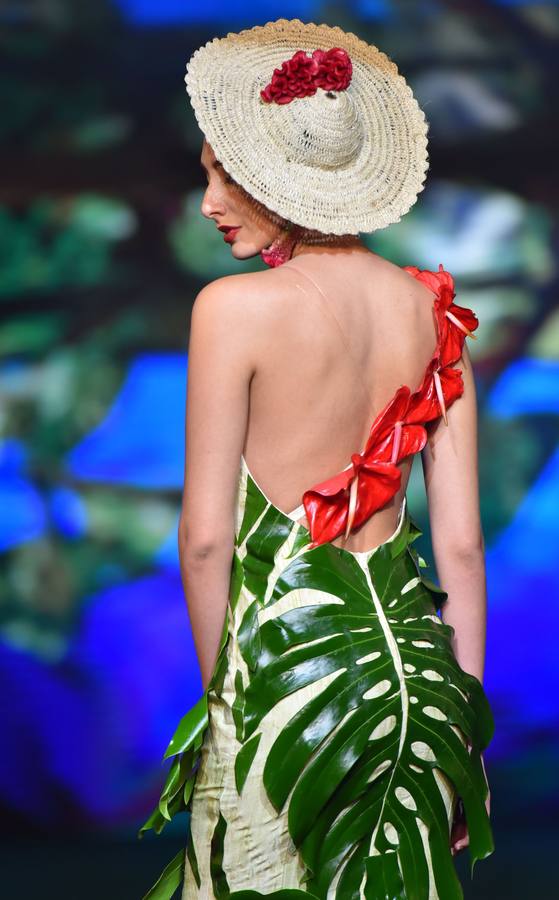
[(281, 248)]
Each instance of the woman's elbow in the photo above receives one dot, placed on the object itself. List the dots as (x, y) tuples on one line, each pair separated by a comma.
[(199, 543), (467, 549)]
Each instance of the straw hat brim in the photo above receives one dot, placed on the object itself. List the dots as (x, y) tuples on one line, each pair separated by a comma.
[(373, 189)]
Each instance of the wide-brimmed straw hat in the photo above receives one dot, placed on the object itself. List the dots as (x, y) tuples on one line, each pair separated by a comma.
[(312, 122)]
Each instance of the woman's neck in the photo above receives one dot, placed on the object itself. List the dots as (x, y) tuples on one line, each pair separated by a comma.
[(330, 248)]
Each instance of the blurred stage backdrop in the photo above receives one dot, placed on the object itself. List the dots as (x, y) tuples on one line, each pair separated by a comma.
[(102, 251)]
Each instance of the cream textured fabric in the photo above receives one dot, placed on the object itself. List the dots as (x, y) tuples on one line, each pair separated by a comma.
[(340, 162)]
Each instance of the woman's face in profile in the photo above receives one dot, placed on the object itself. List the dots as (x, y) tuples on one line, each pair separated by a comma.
[(225, 203)]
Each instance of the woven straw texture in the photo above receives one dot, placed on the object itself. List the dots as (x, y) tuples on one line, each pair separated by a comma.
[(340, 162)]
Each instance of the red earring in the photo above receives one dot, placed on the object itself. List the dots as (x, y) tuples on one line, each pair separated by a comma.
[(281, 248)]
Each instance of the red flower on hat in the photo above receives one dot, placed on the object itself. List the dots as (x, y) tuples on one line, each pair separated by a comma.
[(302, 75), (335, 69)]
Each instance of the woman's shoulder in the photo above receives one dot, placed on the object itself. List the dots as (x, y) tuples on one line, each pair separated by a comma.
[(242, 282), (255, 291), (247, 305)]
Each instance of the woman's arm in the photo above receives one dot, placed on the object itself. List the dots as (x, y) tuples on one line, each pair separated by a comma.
[(450, 466), (220, 367)]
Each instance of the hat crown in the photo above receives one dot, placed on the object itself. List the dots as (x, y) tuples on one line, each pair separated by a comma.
[(322, 131)]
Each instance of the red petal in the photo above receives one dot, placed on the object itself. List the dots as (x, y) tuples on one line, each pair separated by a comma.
[(327, 512), (414, 438), (381, 429), (452, 384), (452, 337), (424, 405)]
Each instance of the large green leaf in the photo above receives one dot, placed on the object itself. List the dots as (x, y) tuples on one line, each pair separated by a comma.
[(359, 764)]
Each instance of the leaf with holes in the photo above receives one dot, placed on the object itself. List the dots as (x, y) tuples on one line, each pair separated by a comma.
[(367, 764)]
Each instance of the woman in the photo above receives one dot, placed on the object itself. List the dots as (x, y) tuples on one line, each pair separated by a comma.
[(338, 740)]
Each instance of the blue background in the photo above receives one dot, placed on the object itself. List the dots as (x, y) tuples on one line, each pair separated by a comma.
[(102, 251)]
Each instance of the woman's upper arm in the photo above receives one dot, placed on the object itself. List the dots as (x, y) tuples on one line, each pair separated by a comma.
[(450, 466), (221, 363)]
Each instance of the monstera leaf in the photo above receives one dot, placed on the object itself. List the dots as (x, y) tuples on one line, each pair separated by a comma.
[(380, 730), (364, 764)]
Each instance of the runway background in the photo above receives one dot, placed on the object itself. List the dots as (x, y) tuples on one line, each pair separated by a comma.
[(102, 251)]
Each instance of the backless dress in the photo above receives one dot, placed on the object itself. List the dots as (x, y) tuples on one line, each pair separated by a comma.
[(338, 732)]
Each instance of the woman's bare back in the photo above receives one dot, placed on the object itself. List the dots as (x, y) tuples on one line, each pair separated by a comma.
[(346, 330)]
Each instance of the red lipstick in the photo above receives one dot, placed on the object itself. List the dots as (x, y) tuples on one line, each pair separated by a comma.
[(229, 232)]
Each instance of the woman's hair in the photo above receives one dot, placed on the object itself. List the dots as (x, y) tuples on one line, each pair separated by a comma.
[(306, 235)]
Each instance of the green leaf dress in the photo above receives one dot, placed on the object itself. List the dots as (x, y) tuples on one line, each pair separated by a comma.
[(338, 731)]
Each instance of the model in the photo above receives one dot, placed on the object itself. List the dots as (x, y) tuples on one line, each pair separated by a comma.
[(336, 751)]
